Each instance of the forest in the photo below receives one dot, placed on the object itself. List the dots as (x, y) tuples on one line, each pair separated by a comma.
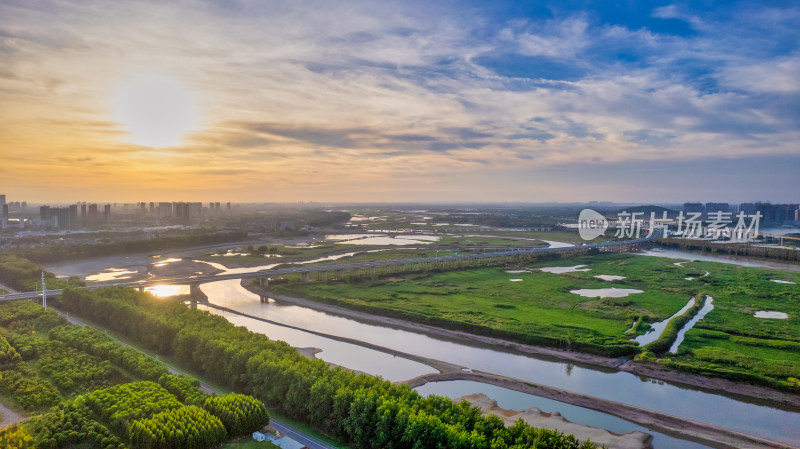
[(86, 390)]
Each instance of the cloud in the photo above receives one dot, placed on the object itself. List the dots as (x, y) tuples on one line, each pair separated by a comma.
[(373, 90)]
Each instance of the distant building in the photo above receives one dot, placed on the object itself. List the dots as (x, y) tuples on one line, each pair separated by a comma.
[(84, 216), (106, 213), (747, 208), (694, 207), (4, 221), (93, 213), (717, 207), (73, 216)]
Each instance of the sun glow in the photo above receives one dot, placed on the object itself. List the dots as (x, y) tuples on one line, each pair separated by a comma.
[(156, 110), (168, 290)]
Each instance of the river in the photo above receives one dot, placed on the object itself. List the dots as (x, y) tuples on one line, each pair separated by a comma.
[(622, 387)]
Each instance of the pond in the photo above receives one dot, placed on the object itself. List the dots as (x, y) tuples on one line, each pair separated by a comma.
[(612, 292), (560, 270)]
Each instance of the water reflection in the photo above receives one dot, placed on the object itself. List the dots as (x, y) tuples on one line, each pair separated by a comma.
[(612, 292), (658, 328), (560, 270), (708, 306), (371, 239), (111, 274), (167, 290)]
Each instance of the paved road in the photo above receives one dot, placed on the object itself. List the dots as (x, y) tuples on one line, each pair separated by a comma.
[(320, 268), (311, 442)]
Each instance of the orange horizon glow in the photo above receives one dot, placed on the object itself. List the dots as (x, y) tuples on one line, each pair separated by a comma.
[(127, 102)]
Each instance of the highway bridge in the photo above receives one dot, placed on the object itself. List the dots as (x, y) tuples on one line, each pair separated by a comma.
[(452, 261)]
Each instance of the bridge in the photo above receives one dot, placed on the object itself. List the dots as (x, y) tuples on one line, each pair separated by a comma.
[(339, 271)]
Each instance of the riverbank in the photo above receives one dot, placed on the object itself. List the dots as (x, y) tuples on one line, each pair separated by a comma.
[(596, 361), (538, 418), (724, 387), (708, 434)]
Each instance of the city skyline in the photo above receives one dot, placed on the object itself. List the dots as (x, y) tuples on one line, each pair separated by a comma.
[(664, 102)]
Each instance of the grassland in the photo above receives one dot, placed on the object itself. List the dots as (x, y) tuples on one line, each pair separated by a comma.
[(728, 342), (248, 443)]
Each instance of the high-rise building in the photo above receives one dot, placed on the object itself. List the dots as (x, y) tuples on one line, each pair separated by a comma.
[(694, 207), (93, 213), (83, 213), (4, 221), (106, 212), (2, 200), (747, 208), (73, 216), (717, 207)]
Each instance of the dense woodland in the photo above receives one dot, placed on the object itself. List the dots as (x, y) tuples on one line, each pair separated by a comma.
[(365, 411), (86, 390)]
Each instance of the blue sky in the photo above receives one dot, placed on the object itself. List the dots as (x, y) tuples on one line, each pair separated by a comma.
[(406, 101)]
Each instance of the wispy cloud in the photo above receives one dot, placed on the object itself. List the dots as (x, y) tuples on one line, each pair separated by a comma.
[(338, 94)]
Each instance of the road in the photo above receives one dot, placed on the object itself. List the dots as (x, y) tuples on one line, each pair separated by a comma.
[(312, 443), (321, 268)]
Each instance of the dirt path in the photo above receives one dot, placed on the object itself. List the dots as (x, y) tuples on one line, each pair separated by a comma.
[(442, 367), (10, 416), (7, 288), (494, 343)]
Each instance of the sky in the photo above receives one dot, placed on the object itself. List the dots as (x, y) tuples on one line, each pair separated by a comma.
[(349, 101)]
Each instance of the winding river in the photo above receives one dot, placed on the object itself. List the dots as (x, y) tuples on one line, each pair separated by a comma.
[(754, 418)]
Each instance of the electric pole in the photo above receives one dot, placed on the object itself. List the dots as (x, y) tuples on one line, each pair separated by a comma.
[(44, 293)]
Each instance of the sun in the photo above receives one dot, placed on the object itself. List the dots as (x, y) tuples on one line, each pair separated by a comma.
[(156, 110)]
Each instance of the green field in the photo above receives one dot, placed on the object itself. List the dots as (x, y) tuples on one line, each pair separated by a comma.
[(248, 443), (541, 310)]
